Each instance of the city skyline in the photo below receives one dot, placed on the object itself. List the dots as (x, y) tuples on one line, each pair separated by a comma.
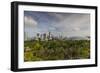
[(64, 24)]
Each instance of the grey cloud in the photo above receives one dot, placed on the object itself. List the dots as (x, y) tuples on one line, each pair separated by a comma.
[(75, 24)]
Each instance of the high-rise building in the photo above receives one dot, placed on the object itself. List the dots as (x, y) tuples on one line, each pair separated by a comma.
[(38, 36), (44, 36)]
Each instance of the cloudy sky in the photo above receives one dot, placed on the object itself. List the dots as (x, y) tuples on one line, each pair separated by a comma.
[(65, 24)]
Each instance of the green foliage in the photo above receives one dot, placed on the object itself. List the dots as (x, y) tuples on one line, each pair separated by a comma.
[(28, 56), (85, 53), (56, 50)]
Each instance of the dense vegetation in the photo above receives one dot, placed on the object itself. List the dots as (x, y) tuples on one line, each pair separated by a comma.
[(56, 50)]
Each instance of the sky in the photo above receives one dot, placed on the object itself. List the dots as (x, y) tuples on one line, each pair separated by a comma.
[(65, 24)]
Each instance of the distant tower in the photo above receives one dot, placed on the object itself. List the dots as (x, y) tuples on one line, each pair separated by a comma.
[(49, 36), (26, 37), (41, 37), (44, 36), (38, 35), (88, 37)]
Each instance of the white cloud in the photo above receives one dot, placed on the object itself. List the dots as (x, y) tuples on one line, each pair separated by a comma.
[(29, 21)]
